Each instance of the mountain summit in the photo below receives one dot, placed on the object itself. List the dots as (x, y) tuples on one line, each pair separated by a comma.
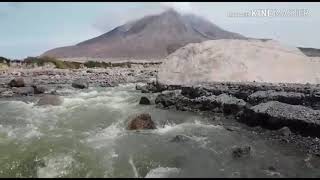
[(153, 36)]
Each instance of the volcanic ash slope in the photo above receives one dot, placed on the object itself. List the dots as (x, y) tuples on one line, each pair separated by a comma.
[(238, 61)]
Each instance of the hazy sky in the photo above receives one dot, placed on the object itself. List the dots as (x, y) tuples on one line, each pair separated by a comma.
[(31, 28)]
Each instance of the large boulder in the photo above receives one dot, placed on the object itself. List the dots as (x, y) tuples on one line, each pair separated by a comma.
[(50, 99), (80, 84), (142, 121), (275, 115), (17, 82), (237, 61)]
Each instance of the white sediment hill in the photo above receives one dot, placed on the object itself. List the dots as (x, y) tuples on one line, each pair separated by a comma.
[(238, 61)]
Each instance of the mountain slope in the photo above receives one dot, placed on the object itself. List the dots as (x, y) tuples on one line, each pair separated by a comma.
[(153, 36)]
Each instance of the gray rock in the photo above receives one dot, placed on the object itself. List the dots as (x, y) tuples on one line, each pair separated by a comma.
[(294, 98), (275, 115), (167, 98), (145, 101), (50, 99), (142, 88), (80, 84), (38, 89), (17, 82), (285, 131), (23, 90), (230, 104)]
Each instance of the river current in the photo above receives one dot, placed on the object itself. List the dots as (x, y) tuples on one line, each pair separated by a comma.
[(86, 136)]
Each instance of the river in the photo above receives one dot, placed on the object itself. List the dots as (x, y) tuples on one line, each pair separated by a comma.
[(86, 137)]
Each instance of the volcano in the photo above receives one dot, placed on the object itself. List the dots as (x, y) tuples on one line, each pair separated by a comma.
[(153, 36)]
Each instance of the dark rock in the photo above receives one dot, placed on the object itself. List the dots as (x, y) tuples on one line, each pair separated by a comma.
[(50, 99), (167, 98), (144, 100), (38, 89), (24, 91), (230, 104), (232, 128), (180, 138), (142, 121), (275, 115), (194, 92), (17, 82), (80, 83), (241, 151), (272, 95), (271, 168)]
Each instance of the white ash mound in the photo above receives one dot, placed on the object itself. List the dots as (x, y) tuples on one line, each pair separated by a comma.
[(238, 61)]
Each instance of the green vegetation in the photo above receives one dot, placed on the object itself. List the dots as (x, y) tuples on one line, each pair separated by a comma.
[(4, 60), (41, 61)]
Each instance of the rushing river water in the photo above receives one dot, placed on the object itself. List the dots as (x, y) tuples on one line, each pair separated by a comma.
[(86, 137)]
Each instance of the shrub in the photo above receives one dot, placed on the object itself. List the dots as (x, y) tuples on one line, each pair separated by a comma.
[(41, 61)]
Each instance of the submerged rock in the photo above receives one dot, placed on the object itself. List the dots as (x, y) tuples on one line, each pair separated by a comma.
[(180, 138), (17, 82), (275, 115), (142, 121), (50, 99), (145, 101), (241, 151), (80, 83)]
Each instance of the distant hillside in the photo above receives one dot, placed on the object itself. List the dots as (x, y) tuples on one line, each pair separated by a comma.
[(312, 52)]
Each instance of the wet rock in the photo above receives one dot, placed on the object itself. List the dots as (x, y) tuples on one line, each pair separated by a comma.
[(275, 115), (50, 99), (80, 84), (23, 91), (230, 104), (38, 89), (142, 121), (293, 98), (194, 92), (285, 131), (145, 101), (180, 138), (241, 151), (17, 82), (167, 98)]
